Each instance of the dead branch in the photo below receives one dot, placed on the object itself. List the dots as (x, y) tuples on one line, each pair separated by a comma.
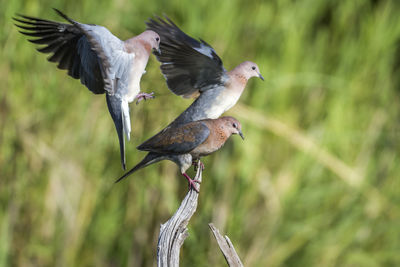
[(174, 232), (226, 247)]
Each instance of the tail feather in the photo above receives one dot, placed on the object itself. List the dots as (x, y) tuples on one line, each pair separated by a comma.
[(126, 120), (115, 107), (149, 159)]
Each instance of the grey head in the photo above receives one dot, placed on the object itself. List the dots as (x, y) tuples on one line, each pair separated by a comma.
[(249, 69), (151, 38)]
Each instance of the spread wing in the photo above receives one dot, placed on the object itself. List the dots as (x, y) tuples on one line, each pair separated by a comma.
[(177, 140), (189, 66), (90, 53)]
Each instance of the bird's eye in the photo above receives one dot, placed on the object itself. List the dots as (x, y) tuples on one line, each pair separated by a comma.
[(234, 125), (157, 39), (253, 68)]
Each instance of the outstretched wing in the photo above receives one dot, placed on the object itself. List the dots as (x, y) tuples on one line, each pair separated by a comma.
[(177, 140), (89, 52), (188, 65)]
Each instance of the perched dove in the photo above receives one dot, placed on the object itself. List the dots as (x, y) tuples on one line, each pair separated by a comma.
[(193, 68), (186, 143), (102, 62)]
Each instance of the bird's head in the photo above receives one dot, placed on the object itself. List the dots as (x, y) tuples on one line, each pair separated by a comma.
[(250, 69), (232, 125), (153, 39)]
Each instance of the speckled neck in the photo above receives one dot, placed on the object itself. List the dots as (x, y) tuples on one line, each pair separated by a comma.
[(237, 77), (222, 132)]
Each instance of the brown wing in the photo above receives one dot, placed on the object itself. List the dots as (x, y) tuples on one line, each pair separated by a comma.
[(177, 140)]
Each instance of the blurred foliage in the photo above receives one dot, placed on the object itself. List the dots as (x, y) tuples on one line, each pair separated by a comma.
[(315, 183)]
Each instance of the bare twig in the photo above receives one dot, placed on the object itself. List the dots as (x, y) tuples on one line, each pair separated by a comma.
[(226, 247), (174, 232)]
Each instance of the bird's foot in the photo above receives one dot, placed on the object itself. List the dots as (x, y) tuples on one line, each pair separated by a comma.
[(195, 164), (144, 96), (192, 182)]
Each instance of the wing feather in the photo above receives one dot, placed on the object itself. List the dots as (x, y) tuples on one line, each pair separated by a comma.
[(177, 140), (86, 51), (63, 41), (188, 65)]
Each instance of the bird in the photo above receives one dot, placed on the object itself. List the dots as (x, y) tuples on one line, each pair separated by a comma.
[(186, 143), (102, 62), (193, 69)]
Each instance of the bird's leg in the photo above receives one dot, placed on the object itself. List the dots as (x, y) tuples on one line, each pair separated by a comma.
[(144, 96), (194, 163), (191, 182)]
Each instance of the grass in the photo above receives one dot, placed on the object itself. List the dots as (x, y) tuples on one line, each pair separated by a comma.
[(315, 183)]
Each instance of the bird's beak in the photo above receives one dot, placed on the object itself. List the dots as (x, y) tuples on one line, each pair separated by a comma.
[(241, 134), (260, 76), (158, 50)]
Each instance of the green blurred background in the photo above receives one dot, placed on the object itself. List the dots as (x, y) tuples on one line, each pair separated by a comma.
[(315, 183)]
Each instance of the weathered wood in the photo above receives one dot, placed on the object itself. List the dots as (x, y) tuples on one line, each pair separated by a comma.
[(174, 232), (226, 247)]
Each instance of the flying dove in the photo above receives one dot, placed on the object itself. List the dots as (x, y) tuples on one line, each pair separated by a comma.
[(186, 143), (193, 69), (102, 62)]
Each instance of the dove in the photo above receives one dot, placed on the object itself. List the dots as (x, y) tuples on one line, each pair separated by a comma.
[(102, 62), (193, 69), (185, 143)]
